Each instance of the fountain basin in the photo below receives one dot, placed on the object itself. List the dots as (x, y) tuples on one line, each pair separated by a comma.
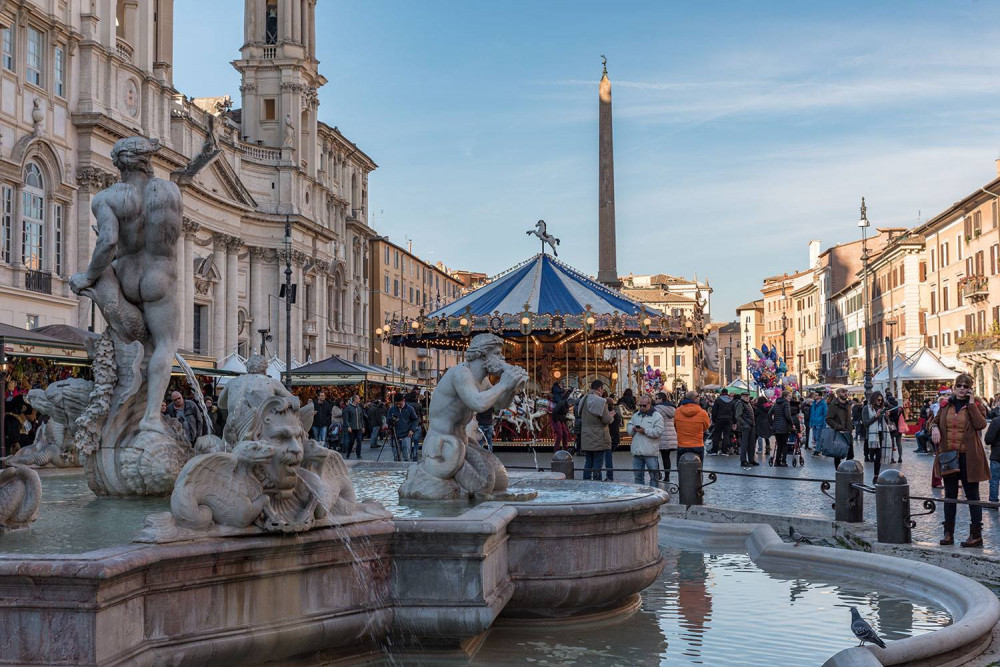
[(433, 581)]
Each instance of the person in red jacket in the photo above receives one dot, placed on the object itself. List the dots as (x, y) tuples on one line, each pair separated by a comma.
[(691, 422)]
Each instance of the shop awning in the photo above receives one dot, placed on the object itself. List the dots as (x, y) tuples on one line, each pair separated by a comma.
[(15, 342), (925, 365), (337, 371)]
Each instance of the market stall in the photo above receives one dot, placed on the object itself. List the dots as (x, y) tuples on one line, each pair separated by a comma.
[(341, 379), (922, 379)]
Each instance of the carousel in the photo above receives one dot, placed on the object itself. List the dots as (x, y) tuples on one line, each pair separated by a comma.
[(560, 325)]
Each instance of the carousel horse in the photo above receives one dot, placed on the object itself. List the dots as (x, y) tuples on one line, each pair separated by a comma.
[(540, 232)]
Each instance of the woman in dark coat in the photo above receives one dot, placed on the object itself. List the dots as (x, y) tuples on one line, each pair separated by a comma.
[(763, 426)]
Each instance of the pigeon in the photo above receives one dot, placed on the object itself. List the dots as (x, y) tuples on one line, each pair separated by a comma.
[(797, 537), (862, 630)]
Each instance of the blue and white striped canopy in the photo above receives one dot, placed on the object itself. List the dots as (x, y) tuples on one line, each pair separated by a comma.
[(546, 285)]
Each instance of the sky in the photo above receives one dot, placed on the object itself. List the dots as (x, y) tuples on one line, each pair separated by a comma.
[(742, 130)]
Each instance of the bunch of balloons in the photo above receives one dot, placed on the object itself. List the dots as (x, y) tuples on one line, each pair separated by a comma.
[(652, 381), (770, 372)]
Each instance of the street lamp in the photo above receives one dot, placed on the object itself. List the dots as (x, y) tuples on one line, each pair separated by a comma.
[(864, 224), (784, 323), (3, 405), (287, 241)]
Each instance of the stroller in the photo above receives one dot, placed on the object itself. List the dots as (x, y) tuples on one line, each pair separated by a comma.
[(795, 443)]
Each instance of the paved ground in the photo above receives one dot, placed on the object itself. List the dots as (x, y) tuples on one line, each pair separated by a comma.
[(787, 496)]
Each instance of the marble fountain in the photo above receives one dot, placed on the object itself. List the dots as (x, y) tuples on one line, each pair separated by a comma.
[(253, 547)]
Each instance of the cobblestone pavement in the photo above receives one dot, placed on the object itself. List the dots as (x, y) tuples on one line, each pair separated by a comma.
[(785, 496)]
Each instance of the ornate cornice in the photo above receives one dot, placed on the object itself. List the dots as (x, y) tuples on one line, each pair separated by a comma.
[(227, 241), (258, 254), (93, 179), (299, 258)]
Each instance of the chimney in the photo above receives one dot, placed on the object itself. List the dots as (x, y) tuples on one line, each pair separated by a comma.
[(813, 254)]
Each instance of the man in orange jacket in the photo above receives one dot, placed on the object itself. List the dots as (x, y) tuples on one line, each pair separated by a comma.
[(691, 422)]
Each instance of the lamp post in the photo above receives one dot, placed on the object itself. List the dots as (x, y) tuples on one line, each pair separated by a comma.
[(784, 323), (288, 302), (890, 352), (3, 403), (864, 224)]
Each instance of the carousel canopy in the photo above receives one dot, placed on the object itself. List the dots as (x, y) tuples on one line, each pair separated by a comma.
[(543, 284), (549, 301)]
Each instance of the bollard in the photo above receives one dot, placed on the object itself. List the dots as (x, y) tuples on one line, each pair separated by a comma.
[(849, 500), (563, 462), (892, 507), (689, 479)]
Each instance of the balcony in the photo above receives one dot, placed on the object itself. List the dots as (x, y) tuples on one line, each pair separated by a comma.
[(123, 49), (270, 52), (975, 288), (984, 342), (259, 153), (38, 281)]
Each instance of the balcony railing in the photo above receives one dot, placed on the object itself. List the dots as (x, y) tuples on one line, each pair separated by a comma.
[(270, 51), (975, 288), (123, 49), (38, 281), (976, 342), (259, 152)]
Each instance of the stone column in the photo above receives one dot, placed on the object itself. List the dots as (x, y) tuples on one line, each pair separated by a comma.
[(298, 310), (257, 310), (297, 21), (321, 309), (186, 274), (218, 345), (312, 28), (232, 294), (285, 21)]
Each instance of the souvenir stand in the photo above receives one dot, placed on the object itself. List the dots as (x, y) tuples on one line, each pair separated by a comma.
[(341, 379)]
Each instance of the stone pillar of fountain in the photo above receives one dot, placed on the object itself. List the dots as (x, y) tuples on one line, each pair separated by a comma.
[(563, 463), (849, 499), (892, 507), (689, 479)]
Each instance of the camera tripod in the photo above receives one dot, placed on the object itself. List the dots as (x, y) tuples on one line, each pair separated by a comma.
[(391, 440)]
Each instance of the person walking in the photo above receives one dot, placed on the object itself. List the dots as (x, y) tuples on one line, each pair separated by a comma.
[(615, 431), (877, 439), (187, 413), (992, 439), (321, 419), (807, 405), (334, 435), (892, 416), (354, 424), (961, 457), (402, 418), (763, 426), (780, 416), (746, 425), (560, 417), (377, 411), (646, 427), (668, 439), (484, 420), (857, 409), (691, 421), (838, 418), (817, 420), (722, 420), (594, 416)]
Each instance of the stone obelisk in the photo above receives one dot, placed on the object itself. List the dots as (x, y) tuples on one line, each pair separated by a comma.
[(607, 272)]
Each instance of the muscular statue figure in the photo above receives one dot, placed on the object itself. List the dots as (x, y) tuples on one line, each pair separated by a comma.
[(453, 465), (132, 275)]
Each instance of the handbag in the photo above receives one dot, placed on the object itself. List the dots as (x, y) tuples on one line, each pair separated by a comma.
[(902, 424), (838, 446), (948, 463)]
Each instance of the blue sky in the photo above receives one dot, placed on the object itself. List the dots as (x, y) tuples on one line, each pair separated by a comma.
[(742, 130)]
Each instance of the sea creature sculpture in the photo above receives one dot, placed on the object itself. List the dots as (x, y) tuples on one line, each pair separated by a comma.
[(20, 496)]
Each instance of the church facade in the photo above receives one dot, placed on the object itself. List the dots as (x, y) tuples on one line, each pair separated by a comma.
[(77, 75)]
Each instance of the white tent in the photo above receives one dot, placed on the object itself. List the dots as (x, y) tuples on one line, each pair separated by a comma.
[(925, 365), (234, 363), (276, 367), (881, 378)]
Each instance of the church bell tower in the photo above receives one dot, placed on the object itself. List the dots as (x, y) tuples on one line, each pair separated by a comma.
[(280, 77)]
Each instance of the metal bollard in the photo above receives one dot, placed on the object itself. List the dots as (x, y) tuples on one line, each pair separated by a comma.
[(689, 479), (563, 462), (892, 507), (850, 501)]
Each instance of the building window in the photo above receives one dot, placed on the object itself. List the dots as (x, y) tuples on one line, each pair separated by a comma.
[(32, 217), (679, 360), (59, 72), (387, 283), (387, 255), (31, 322), (33, 62), (411, 295), (395, 287), (271, 23), (396, 259), (6, 221), (57, 230), (7, 47), (269, 109), (944, 298), (198, 320)]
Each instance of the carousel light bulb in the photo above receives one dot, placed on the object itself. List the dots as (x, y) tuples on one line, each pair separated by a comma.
[(590, 320), (525, 321), (463, 322), (378, 332), (415, 325), (647, 321), (614, 375), (557, 374)]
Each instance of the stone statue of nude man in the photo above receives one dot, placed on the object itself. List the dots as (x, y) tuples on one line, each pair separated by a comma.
[(452, 465), (132, 276)]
